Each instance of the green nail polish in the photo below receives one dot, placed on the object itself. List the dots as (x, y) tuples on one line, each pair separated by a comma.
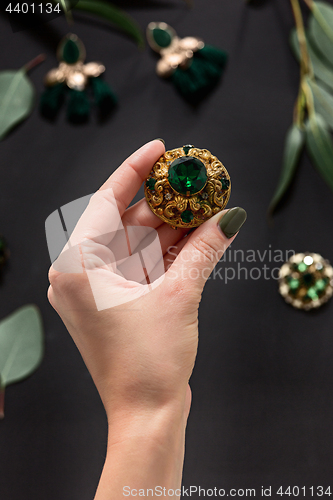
[(232, 221), (159, 139)]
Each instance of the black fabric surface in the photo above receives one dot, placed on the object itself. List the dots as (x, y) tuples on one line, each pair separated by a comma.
[(262, 406)]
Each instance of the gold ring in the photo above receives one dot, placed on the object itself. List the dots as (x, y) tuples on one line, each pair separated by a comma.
[(187, 186)]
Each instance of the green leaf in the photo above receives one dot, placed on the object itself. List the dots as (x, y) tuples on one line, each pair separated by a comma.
[(21, 346), (114, 15), (293, 147), (68, 14), (321, 29), (321, 68), (320, 147), (323, 101), (17, 96)]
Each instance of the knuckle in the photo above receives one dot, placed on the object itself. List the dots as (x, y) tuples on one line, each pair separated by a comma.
[(53, 275), (65, 283), (209, 250)]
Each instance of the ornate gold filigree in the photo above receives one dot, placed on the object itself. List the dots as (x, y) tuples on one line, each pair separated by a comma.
[(169, 205)]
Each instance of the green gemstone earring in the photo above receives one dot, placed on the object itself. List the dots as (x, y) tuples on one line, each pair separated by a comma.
[(194, 67), (76, 77), (306, 281), (187, 186)]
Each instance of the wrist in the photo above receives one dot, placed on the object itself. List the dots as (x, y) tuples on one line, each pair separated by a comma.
[(145, 451), (127, 422)]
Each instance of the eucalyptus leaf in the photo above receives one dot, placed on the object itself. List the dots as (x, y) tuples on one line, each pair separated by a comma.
[(17, 96), (320, 147), (323, 101), (321, 67), (293, 147), (321, 28), (21, 346), (114, 15)]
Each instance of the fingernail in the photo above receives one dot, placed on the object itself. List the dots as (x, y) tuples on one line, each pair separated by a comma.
[(232, 221), (159, 139)]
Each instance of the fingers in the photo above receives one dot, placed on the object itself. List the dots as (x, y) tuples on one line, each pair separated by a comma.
[(127, 179), (141, 215), (203, 248), (151, 244), (102, 217)]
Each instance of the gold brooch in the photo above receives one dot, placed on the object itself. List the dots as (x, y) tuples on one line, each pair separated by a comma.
[(187, 186), (306, 281)]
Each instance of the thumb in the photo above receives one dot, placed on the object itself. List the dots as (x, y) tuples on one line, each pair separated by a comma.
[(205, 247)]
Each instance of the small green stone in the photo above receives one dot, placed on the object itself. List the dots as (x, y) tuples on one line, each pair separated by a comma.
[(161, 37), (187, 148), (187, 216), (150, 183), (302, 267), (225, 183), (320, 285), (187, 175), (71, 52), (293, 284), (312, 294)]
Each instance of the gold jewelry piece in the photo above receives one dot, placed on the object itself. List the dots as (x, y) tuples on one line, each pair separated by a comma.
[(187, 186), (175, 52), (306, 281), (71, 70), (194, 67)]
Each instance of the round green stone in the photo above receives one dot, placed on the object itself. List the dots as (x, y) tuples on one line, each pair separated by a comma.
[(312, 294), (71, 52), (187, 216), (293, 284), (320, 285), (187, 175), (302, 267), (162, 37)]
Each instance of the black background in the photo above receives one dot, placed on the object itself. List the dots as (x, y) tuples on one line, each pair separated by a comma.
[(262, 386)]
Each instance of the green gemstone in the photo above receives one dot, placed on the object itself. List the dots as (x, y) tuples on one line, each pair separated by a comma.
[(71, 52), (320, 285), (187, 148), (293, 284), (161, 37), (187, 175), (312, 294), (187, 216), (302, 267), (225, 183), (150, 183)]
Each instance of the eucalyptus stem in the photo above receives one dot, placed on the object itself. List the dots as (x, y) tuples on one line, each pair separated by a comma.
[(309, 97), (305, 59), (305, 63), (32, 64)]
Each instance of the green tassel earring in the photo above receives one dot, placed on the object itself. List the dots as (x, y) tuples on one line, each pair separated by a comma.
[(193, 67), (76, 78)]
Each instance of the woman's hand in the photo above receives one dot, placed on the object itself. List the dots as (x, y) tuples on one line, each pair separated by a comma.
[(138, 336)]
